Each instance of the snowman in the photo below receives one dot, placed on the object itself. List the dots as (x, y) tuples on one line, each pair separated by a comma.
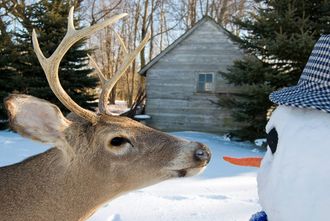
[(294, 175)]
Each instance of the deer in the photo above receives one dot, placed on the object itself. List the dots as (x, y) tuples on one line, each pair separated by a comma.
[(96, 157)]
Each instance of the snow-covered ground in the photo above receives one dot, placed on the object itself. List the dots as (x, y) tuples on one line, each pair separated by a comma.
[(222, 193)]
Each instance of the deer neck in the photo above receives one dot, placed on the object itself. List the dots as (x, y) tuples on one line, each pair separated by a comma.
[(72, 189)]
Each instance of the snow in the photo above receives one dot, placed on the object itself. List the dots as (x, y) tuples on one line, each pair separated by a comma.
[(223, 192), (142, 117), (119, 107), (293, 183)]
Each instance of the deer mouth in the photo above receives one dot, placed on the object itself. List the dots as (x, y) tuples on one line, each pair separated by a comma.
[(182, 173), (192, 171)]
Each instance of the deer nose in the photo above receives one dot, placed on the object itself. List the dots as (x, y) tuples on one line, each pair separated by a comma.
[(203, 154)]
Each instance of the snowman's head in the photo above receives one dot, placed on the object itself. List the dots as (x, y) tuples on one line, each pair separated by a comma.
[(294, 175)]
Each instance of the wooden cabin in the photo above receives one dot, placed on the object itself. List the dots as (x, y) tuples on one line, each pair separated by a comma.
[(183, 83)]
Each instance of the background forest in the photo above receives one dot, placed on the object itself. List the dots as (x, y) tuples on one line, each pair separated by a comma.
[(276, 36), (164, 19)]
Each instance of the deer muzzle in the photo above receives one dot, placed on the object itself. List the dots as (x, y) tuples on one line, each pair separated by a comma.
[(199, 157), (203, 154)]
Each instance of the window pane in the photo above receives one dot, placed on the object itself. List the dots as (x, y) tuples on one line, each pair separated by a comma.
[(209, 78), (201, 78), (208, 87)]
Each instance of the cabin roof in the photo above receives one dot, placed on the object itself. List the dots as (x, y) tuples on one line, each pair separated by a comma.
[(153, 61)]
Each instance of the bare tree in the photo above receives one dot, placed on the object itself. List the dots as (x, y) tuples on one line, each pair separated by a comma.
[(165, 19)]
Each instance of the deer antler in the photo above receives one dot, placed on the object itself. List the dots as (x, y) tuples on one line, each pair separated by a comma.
[(121, 41), (51, 65), (109, 84), (98, 70)]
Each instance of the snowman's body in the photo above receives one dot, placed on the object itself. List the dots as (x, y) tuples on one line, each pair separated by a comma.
[(294, 177), (294, 182)]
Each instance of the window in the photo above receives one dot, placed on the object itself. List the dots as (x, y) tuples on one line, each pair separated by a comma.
[(205, 82)]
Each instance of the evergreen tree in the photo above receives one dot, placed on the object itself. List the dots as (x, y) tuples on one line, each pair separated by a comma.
[(279, 38), (8, 76), (49, 19)]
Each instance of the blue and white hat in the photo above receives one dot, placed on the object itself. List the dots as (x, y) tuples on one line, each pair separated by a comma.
[(313, 88)]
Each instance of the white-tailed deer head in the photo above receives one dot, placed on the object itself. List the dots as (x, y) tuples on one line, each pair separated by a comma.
[(96, 156)]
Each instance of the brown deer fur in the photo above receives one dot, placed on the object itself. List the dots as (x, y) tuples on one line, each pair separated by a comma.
[(73, 179), (96, 157)]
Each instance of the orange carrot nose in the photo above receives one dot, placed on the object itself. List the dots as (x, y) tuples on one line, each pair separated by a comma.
[(246, 161)]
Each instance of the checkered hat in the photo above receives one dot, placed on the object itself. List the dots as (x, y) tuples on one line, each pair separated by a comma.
[(313, 88)]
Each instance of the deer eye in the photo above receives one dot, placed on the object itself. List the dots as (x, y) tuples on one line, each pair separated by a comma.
[(272, 139), (118, 141)]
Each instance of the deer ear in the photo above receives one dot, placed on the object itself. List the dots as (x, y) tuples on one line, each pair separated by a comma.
[(36, 118)]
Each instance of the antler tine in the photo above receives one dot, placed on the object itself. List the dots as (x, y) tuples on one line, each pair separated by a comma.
[(98, 70), (101, 76), (70, 20), (112, 82), (121, 42), (51, 65), (99, 73)]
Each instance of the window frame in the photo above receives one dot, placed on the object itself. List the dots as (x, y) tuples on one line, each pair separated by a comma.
[(211, 84)]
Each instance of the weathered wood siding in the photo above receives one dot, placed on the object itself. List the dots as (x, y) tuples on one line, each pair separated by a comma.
[(172, 100)]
